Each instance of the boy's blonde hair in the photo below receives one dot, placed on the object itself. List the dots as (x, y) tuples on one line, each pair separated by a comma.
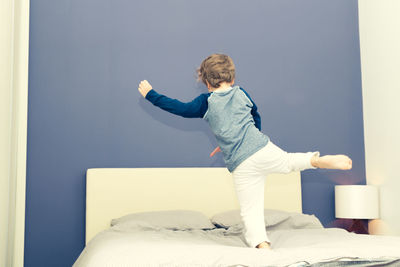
[(215, 69)]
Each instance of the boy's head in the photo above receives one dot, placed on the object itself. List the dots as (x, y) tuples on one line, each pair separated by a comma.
[(216, 69)]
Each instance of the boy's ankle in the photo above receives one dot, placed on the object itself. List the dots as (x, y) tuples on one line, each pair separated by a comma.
[(315, 161), (264, 245)]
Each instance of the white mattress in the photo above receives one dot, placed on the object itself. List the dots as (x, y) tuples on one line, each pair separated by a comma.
[(220, 247)]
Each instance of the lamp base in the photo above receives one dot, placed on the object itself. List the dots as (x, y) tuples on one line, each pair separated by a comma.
[(358, 227)]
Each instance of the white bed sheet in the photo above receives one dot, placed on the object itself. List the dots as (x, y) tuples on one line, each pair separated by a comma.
[(220, 247)]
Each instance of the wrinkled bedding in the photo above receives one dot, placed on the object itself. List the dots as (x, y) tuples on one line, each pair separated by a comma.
[(326, 247)]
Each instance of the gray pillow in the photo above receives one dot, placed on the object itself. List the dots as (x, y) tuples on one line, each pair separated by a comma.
[(274, 220), (169, 219)]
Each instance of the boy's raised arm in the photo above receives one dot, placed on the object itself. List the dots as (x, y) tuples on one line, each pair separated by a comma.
[(194, 109)]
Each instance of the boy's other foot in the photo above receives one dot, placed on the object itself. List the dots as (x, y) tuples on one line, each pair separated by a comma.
[(263, 245), (339, 162)]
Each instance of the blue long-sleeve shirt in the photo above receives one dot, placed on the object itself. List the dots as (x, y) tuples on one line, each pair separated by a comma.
[(195, 108), (232, 116)]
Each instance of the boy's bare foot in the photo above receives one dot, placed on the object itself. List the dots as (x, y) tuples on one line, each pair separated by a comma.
[(340, 162), (264, 245)]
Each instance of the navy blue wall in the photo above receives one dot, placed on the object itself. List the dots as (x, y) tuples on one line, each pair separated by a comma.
[(299, 60)]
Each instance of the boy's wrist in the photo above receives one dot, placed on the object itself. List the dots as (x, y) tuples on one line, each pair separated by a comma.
[(148, 94)]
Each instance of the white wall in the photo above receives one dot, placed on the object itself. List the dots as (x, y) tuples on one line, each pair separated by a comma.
[(14, 48), (6, 19), (380, 67)]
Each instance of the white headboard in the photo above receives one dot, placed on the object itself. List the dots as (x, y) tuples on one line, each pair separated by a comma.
[(112, 193)]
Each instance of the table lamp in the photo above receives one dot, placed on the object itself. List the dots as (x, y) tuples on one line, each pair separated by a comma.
[(357, 202)]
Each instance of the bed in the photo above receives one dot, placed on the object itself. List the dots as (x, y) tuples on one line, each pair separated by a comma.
[(190, 217)]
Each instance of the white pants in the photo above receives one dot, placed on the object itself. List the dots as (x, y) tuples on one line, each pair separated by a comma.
[(249, 179)]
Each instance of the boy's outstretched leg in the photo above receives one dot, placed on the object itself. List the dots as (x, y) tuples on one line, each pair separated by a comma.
[(340, 162), (275, 160)]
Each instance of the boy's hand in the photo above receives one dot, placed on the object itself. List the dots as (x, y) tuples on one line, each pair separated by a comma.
[(215, 151), (144, 87)]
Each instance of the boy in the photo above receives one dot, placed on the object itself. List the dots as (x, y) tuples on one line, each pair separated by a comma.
[(248, 153)]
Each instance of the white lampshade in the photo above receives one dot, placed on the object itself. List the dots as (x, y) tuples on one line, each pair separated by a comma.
[(356, 201)]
